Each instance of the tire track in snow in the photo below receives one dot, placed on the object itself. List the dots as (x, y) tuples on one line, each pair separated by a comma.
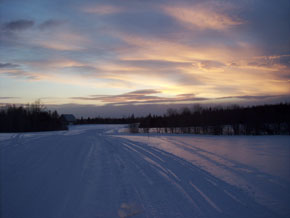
[(89, 174), (203, 184), (241, 175)]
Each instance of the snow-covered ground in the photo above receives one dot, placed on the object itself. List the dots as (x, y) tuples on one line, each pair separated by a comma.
[(102, 171)]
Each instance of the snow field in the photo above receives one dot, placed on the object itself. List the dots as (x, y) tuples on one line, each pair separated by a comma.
[(101, 171)]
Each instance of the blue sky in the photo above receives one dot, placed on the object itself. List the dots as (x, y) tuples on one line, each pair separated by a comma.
[(132, 54)]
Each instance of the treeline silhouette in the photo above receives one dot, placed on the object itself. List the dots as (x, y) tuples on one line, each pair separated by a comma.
[(218, 120), (29, 118), (108, 120), (231, 120)]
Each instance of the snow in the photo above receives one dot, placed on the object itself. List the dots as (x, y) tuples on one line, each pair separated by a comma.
[(103, 171)]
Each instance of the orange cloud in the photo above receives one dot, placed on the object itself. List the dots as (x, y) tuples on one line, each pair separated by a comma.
[(240, 68), (172, 50), (217, 68), (203, 16)]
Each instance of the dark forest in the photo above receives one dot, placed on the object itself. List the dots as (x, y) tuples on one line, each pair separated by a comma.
[(229, 120), (29, 118), (218, 120)]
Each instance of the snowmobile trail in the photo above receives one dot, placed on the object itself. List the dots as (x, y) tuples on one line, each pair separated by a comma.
[(88, 173)]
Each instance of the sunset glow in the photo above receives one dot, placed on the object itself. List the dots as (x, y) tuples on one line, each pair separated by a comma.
[(144, 52)]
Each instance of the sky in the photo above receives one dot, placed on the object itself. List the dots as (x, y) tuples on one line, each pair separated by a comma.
[(116, 57)]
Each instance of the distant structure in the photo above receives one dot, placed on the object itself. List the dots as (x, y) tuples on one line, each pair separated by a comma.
[(68, 119)]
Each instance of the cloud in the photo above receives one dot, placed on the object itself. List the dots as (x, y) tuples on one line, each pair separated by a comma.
[(62, 41), (208, 65), (102, 9), (19, 74), (141, 97), (133, 99), (4, 98), (52, 62), (186, 95), (154, 64), (15, 71), (210, 48), (211, 66), (67, 38), (18, 25), (173, 50), (249, 97), (277, 64), (83, 70), (48, 24), (8, 65), (202, 16), (144, 92)]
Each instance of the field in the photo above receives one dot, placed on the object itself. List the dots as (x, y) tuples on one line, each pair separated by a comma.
[(101, 171)]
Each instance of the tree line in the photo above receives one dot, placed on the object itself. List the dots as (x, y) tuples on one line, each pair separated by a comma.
[(29, 118), (217, 120), (231, 120)]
